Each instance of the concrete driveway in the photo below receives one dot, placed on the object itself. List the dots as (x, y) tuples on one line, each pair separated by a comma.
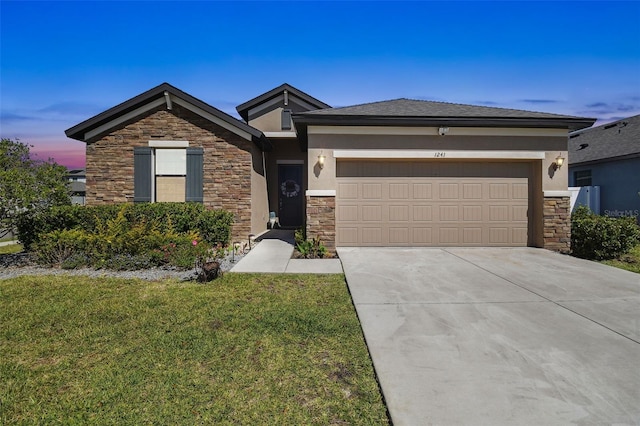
[(498, 336)]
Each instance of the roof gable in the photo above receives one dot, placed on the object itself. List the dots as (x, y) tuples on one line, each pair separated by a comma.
[(282, 95), (613, 140), (162, 94)]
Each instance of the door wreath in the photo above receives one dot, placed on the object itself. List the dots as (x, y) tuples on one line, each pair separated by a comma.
[(290, 188)]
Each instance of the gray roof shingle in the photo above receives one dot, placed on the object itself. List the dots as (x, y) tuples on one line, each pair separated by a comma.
[(617, 139), (412, 112), (416, 108)]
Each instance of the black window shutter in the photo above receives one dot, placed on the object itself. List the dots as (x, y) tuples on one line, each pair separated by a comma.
[(286, 119), (142, 174), (194, 175)]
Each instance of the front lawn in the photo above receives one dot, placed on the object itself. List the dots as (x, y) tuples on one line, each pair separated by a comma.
[(629, 261), (11, 249), (245, 349)]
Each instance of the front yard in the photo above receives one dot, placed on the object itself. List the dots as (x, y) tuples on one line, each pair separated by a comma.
[(245, 349), (629, 261)]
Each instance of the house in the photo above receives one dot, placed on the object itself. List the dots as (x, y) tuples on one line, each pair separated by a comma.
[(392, 173), (607, 158), (77, 185)]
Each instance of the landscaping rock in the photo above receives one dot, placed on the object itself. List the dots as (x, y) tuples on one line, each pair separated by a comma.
[(15, 265)]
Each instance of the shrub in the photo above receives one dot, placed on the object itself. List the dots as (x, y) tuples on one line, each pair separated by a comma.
[(313, 249), (30, 224), (179, 252), (125, 236), (600, 237), (213, 226), (76, 260), (58, 247), (300, 235)]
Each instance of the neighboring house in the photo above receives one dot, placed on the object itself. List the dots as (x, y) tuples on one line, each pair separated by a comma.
[(608, 157), (393, 173), (77, 185)]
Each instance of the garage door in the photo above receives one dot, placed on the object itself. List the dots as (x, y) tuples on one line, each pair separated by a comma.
[(385, 203)]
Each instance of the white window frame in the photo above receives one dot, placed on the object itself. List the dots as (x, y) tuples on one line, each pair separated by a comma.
[(162, 144)]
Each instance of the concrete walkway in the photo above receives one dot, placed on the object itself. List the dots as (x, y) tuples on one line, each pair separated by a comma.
[(272, 254), (498, 336), (8, 243)]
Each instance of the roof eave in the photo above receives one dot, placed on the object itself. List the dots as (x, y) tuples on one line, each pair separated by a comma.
[(534, 122), (303, 120), (78, 131), (243, 109)]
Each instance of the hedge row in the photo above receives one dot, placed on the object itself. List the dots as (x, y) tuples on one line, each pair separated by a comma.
[(125, 236), (600, 237), (212, 226)]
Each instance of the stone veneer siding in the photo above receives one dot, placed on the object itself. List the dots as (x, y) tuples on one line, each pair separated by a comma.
[(227, 161), (321, 220), (557, 224)]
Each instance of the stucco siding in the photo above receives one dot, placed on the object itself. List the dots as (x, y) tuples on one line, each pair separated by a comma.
[(259, 198), (270, 121), (552, 146)]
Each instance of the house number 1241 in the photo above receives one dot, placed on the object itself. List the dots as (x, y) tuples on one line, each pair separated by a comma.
[(439, 154)]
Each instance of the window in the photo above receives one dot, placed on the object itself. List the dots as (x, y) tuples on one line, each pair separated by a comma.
[(168, 174), (582, 178)]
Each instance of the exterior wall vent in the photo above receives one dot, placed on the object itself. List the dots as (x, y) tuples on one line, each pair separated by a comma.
[(286, 119)]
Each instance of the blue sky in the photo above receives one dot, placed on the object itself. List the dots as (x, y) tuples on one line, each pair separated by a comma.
[(63, 62)]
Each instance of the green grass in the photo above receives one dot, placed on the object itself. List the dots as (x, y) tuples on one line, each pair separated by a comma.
[(11, 248), (246, 349), (629, 261)]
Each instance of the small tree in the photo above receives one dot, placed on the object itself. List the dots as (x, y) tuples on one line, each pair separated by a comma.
[(27, 184)]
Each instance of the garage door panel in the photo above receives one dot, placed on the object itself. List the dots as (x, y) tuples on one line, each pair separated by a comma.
[(448, 213), (472, 236), (422, 191), (449, 191), (518, 234), (450, 236), (519, 213), (499, 235), (422, 213), (346, 236), (472, 191), (371, 235), (398, 236), (520, 191), (348, 191), (371, 213), (422, 236), (399, 213), (372, 191), (347, 213), (499, 213), (431, 210), (399, 191), (472, 213), (499, 191)]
